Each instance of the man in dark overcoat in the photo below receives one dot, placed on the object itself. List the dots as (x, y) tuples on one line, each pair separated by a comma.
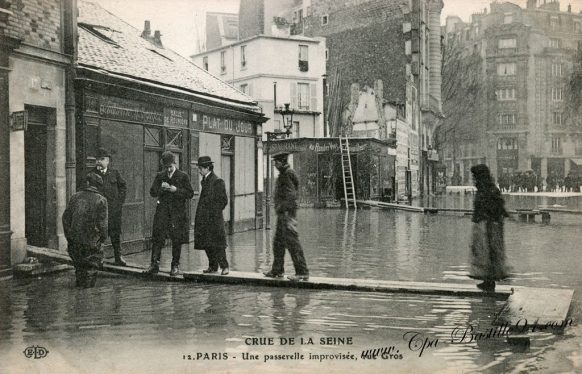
[(209, 233), (286, 235), (85, 226), (114, 189), (172, 189)]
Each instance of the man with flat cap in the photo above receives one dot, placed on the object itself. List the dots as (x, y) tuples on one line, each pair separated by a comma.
[(114, 189), (209, 233), (85, 226), (172, 189), (286, 235)]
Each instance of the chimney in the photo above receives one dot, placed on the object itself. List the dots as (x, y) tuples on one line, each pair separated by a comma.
[(158, 38), (531, 4), (569, 8), (146, 30)]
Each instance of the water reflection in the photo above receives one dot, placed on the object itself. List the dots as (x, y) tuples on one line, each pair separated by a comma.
[(124, 313)]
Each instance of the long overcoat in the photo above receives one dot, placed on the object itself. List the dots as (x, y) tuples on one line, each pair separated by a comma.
[(171, 215), (488, 260), (85, 222), (209, 223), (114, 189)]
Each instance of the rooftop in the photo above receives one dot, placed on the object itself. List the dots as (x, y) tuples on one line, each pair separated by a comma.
[(109, 44)]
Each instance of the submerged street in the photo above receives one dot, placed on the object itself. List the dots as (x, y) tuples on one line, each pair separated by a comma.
[(135, 323)]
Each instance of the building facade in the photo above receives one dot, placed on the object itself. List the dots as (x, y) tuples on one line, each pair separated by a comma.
[(275, 71), (36, 59), (144, 99), (528, 55)]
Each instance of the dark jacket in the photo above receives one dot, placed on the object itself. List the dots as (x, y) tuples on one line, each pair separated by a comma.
[(286, 191), (489, 205), (114, 189), (209, 224), (172, 207), (85, 219)]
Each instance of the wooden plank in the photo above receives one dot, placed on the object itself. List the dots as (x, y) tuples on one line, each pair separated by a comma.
[(539, 306), (543, 305)]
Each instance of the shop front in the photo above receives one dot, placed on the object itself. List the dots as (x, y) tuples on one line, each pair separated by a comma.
[(138, 128), (317, 162)]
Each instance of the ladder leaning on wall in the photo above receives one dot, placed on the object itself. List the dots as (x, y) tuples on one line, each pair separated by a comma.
[(349, 188)]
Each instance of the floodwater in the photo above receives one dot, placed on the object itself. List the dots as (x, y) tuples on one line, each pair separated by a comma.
[(130, 325)]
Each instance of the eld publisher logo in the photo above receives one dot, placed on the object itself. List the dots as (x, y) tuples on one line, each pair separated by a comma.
[(35, 352)]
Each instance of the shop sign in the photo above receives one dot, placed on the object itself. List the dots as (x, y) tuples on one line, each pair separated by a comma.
[(334, 147), (128, 110), (19, 121), (290, 146), (174, 117), (225, 126), (433, 155)]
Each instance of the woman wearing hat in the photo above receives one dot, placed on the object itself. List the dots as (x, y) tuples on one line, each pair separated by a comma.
[(488, 261), (209, 233)]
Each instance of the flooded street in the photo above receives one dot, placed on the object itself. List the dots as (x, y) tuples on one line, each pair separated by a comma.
[(128, 323)]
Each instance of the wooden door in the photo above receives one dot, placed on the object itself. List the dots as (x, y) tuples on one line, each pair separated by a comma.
[(35, 179)]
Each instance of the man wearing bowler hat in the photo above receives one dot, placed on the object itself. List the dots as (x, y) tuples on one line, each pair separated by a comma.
[(286, 235), (172, 189), (114, 189), (209, 233)]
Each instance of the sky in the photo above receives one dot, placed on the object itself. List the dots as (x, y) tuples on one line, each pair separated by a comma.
[(181, 22)]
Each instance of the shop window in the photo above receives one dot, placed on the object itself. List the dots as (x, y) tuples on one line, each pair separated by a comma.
[(175, 139), (153, 137), (227, 144)]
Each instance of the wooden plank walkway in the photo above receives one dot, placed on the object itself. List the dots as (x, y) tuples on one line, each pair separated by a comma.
[(542, 304)]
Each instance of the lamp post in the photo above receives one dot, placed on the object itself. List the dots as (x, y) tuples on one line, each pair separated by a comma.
[(287, 115)]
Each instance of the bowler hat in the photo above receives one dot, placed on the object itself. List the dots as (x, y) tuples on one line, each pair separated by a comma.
[(205, 161), (94, 179), (168, 158), (281, 157), (102, 152)]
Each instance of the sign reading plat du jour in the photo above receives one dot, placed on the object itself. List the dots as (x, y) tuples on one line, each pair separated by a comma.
[(223, 125)]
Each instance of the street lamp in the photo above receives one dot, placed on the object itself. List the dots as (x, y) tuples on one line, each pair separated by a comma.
[(287, 115)]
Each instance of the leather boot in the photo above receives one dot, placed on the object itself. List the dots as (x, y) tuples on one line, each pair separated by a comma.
[(153, 269), (118, 259)]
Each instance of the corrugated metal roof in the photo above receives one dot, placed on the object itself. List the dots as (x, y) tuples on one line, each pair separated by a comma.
[(109, 43)]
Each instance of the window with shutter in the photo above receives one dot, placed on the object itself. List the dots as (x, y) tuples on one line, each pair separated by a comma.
[(313, 103), (293, 95)]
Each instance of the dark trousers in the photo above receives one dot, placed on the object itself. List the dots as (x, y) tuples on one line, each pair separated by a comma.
[(87, 261), (157, 245), (116, 243), (216, 258), (286, 236)]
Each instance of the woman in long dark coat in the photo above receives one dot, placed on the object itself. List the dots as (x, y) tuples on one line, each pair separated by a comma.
[(209, 233), (488, 261)]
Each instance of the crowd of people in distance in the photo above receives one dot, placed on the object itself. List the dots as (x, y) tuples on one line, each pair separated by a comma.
[(529, 181)]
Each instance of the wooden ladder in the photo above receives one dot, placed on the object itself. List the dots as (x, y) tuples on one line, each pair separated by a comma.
[(349, 188)]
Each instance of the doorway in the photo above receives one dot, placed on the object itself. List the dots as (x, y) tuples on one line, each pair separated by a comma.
[(226, 175), (35, 177)]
